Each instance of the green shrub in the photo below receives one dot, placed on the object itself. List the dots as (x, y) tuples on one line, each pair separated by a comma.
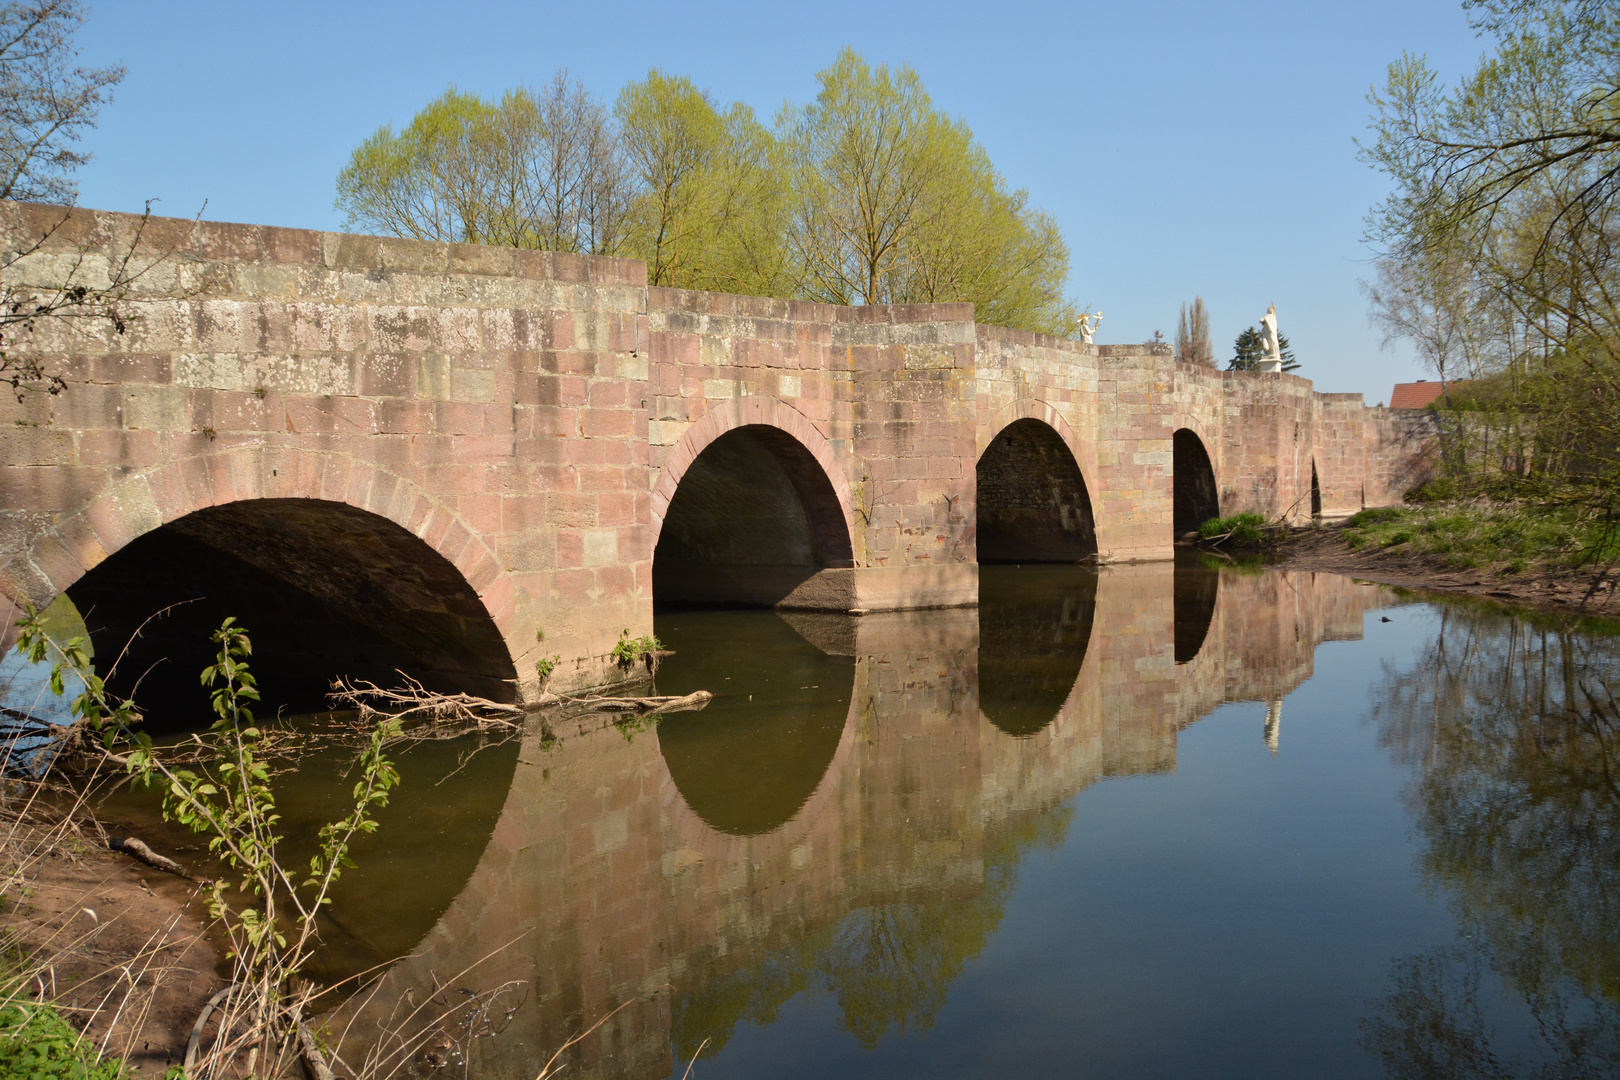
[(1438, 489), (1375, 515), (1237, 529), (1485, 533), (36, 1043)]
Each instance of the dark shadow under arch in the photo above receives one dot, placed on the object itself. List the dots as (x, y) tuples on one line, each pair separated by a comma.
[(752, 759), (323, 588), (1032, 502), (1197, 588), (1034, 629), (1196, 497), (1316, 493), (753, 518)]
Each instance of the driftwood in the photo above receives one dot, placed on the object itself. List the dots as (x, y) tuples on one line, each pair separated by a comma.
[(129, 845), (683, 703), (413, 705)]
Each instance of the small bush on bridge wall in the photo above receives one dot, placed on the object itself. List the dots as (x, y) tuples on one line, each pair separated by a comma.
[(630, 650)]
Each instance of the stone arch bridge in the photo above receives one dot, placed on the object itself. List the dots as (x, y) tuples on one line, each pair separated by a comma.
[(461, 461)]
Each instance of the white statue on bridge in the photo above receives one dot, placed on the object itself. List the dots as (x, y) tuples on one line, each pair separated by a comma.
[(1088, 327), (1273, 723), (1271, 340)]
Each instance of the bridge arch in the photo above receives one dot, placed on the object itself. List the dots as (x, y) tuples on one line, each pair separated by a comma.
[(751, 503), (1196, 493), (1032, 500), (324, 554)]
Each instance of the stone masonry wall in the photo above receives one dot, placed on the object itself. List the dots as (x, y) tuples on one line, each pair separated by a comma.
[(528, 416)]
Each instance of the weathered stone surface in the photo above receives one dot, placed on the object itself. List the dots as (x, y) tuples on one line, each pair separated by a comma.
[(529, 416)]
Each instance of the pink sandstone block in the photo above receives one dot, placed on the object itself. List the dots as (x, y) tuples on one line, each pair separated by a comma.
[(56, 563), (80, 538), (572, 586)]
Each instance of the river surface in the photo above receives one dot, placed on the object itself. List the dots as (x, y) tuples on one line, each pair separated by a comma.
[(1149, 822)]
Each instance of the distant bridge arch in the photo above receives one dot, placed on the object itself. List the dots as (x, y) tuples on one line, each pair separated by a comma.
[(1195, 488)]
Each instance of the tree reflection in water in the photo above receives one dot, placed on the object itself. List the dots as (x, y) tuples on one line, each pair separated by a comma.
[(1512, 733), (888, 965)]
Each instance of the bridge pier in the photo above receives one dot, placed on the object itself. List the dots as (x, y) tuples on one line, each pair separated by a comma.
[(570, 446)]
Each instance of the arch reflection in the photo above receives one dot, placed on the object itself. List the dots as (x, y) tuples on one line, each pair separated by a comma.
[(750, 761), (1034, 629), (1197, 588)]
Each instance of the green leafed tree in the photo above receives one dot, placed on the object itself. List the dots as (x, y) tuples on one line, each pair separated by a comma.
[(708, 209), (867, 195), (895, 202), (1250, 348), (1500, 246), (534, 169)]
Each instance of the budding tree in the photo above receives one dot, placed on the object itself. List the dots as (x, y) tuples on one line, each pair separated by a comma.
[(1192, 335)]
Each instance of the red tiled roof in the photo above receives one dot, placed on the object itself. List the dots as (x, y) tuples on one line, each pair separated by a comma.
[(1416, 395)]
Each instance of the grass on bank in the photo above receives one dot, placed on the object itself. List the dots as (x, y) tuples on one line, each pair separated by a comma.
[(37, 1043), (1474, 534)]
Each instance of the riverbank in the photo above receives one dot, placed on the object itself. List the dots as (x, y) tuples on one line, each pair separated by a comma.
[(118, 948), (1547, 584)]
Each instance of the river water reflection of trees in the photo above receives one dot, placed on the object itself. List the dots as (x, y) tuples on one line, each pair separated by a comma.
[(1512, 733)]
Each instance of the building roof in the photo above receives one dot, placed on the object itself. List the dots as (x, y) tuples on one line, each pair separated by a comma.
[(1416, 395)]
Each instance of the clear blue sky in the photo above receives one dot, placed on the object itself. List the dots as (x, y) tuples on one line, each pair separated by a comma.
[(1184, 148)]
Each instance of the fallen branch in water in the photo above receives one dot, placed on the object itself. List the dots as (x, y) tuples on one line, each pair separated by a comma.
[(682, 703), (413, 705), (314, 1060)]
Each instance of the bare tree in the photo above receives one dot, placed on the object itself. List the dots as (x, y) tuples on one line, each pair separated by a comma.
[(1192, 335), (581, 193), (46, 102)]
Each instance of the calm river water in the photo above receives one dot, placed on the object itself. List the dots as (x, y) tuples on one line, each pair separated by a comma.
[(1153, 822)]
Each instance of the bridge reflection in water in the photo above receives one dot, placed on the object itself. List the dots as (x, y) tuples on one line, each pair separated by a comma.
[(849, 814)]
